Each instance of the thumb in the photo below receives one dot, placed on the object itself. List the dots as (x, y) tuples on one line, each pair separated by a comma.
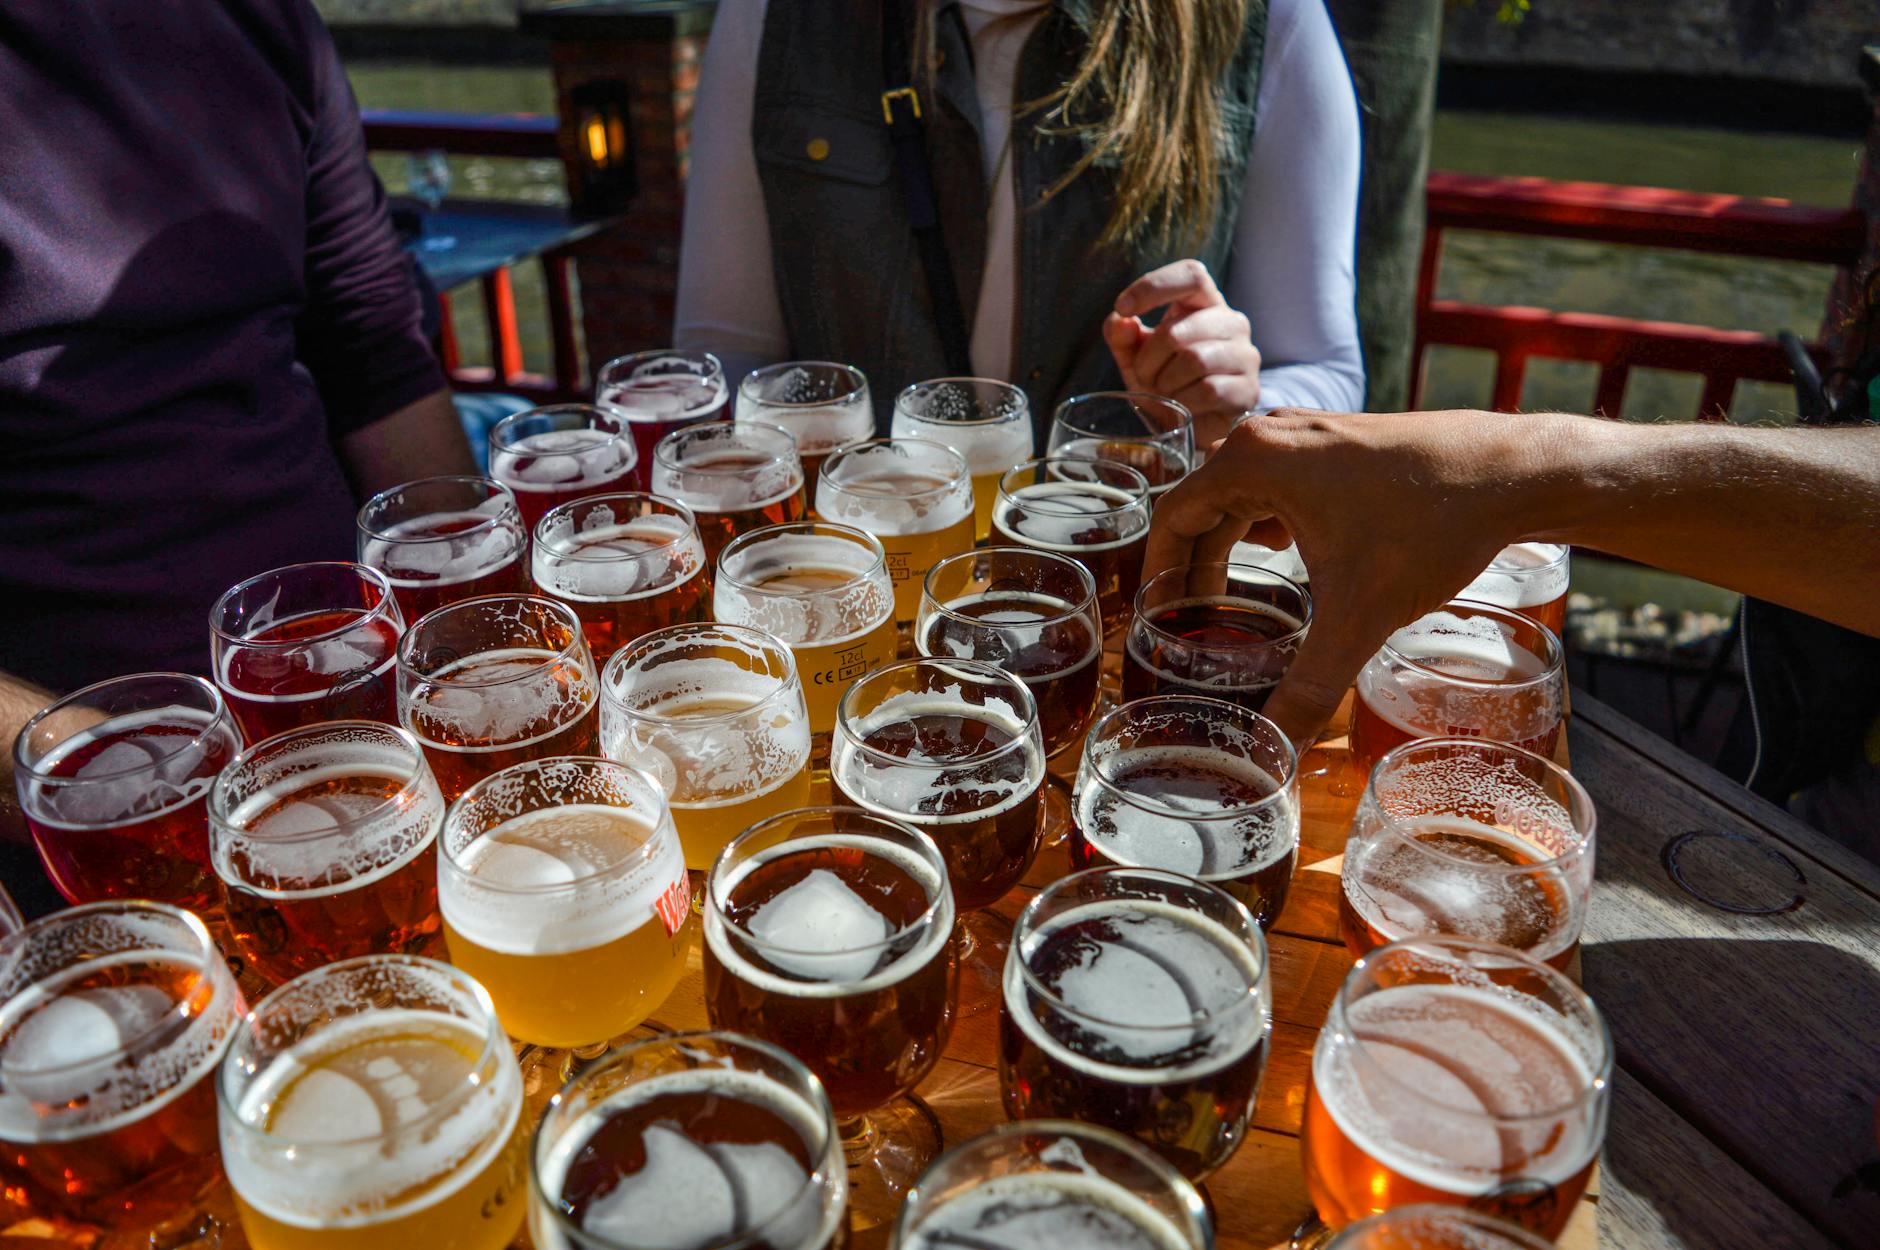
[(1124, 336), (1327, 663)]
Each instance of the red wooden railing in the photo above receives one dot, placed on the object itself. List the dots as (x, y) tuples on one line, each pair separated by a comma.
[(1644, 216), (529, 136)]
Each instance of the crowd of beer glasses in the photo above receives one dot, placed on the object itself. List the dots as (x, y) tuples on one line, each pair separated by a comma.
[(734, 477), (987, 422), (324, 840), (829, 932), (626, 564), (443, 539), (823, 405), (658, 391), (689, 1139), (1193, 786), (1222, 630), (555, 455), (1094, 511), (1150, 434), (564, 894), (715, 715), (914, 495)]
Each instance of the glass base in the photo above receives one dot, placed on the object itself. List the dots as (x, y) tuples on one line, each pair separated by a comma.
[(545, 1069), (200, 1232), (985, 938), (1312, 1234), (1054, 813), (887, 1150)]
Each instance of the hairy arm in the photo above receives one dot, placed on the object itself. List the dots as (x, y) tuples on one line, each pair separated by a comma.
[(1395, 513)]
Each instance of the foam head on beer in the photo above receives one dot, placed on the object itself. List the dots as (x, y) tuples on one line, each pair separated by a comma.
[(441, 539), (627, 564)]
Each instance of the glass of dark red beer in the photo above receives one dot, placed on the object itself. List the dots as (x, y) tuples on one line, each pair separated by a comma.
[(441, 539), (1226, 631)]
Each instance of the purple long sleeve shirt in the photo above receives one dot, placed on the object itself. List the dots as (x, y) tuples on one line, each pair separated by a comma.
[(199, 292)]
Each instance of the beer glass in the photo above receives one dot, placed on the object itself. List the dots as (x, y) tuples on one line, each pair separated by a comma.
[(1468, 669), (710, 1141), (734, 477), (443, 539), (656, 392), (1094, 511), (987, 422), (1474, 838), (1459, 1072), (822, 588), (113, 781), (1225, 631), (715, 715), (1431, 1227), (375, 1103), (1195, 786), (1032, 613), (307, 643), (1150, 434), (10, 919), (113, 1017), (1050, 1183), (1138, 1000), (325, 841), (491, 682), (626, 564), (1531, 578), (823, 405), (564, 894), (912, 494), (555, 455), (829, 932)]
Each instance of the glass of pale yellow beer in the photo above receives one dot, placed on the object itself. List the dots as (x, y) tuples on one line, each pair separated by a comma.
[(913, 494), (374, 1103), (564, 893), (987, 422), (714, 714)]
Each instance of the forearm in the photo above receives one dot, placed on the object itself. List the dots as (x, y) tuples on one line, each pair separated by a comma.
[(1788, 515), (422, 439), (20, 701)]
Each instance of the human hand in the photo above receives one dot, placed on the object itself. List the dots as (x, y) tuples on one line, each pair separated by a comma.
[(1201, 355), (1393, 514)]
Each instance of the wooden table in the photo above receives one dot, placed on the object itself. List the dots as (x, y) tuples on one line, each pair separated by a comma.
[(1747, 1073)]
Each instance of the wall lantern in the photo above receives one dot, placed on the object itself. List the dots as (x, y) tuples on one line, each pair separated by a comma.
[(605, 179)]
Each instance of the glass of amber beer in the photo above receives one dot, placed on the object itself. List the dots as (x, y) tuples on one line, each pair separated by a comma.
[(307, 643), (371, 1104), (710, 1141), (113, 781), (1479, 839), (825, 590), (913, 494), (565, 896), (1428, 1226), (1226, 631), (658, 391), (1053, 1183), (1094, 511), (987, 422), (823, 405), (1467, 669), (1460, 1072), (1138, 1000), (734, 477), (1150, 434), (491, 682), (829, 931), (1195, 786), (627, 564), (1530, 578), (555, 455), (442, 539), (113, 1017), (325, 841)]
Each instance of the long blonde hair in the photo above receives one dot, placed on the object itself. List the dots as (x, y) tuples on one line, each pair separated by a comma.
[(1146, 101)]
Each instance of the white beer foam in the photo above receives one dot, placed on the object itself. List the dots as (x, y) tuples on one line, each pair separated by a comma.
[(1525, 575), (671, 722), (818, 429), (298, 852), (656, 394), (910, 787), (1470, 649), (118, 782), (720, 481), (1050, 516), (63, 1073), (1190, 832), (1047, 1210), (558, 879), (608, 561), (1136, 1004), (1021, 625), (413, 553), (680, 1199), (992, 447), (346, 657), (1439, 1059), (804, 924), (318, 1166), (561, 460), (498, 717), (820, 617), (871, 496)]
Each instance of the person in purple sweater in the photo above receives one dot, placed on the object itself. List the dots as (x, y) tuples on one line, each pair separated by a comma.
[(209, 343)]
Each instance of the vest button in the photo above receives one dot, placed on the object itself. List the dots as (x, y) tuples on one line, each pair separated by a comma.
[(1036, 374), (818, 149)]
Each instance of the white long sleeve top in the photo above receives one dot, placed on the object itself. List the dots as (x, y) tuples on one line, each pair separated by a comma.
[(1292, 269)]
